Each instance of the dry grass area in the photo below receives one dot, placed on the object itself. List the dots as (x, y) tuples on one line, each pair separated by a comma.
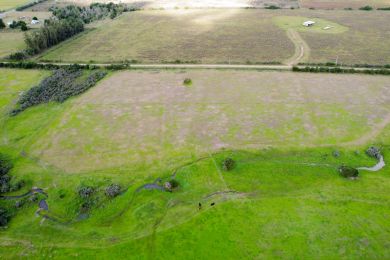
[(174, 4), (337, 4), (231, 35), (367, 40), (144, 116), (11, 41), (10, 4), (206, 36)]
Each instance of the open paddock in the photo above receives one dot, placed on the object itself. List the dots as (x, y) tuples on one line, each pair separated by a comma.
[(231, 36)]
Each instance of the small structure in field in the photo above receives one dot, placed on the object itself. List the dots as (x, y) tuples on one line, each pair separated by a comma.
[(308, 23), (35, 22)]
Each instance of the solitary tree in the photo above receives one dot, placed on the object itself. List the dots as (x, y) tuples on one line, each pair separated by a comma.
[(2, 24)]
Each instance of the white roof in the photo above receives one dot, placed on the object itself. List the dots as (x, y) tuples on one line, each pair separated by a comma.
[(309, 22)]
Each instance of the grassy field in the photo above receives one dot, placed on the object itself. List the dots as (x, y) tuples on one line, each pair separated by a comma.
[(11, 41), (335, 4), (175, 4), (284, 199), (212, 36), (10, 4), (206, 36)]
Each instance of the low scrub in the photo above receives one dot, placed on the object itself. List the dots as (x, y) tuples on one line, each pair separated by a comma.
[(366, 8), (382, 71), (348, 172), (113, 190), (228, 164), (374, 152), (63, 84), (187, 82)]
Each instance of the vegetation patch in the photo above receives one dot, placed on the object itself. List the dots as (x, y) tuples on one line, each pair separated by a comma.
[(348, 172), (63, 84), (228, 164), (187, 82)]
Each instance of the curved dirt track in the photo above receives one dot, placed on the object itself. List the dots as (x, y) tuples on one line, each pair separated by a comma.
[(302, 50)]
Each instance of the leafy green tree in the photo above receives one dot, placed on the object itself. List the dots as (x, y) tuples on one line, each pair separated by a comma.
[(2, 24)]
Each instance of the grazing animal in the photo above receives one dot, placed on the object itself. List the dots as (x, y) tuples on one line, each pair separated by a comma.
[(212, 204), (200, 206)]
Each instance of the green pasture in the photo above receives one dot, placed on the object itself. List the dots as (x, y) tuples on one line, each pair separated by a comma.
[(284, 198)]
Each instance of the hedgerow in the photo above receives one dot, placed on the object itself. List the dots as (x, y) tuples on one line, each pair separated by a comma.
[(61, 85), (341, 70)]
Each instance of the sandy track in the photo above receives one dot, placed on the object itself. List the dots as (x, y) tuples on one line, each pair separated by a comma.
[(302, 50)]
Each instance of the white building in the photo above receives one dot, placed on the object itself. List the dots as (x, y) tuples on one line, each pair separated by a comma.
[(308, 23)]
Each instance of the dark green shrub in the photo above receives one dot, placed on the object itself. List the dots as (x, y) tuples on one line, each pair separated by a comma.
[(85, 191), (366, 8), (24, 27), (187, 82), (2, 24), (18, 56), (35, 18), (384, 8), (5, 183), (5, 165), (348, 172), (228, 164), (174, 183), (4, 217), (272, 7)]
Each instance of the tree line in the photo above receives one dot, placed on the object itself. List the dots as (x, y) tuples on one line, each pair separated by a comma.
[(66, 22)]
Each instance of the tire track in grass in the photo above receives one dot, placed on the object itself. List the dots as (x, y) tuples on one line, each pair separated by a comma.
[(302, 50)]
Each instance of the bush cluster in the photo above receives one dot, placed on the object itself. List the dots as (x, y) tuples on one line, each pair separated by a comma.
[(63, 84), (341, 70), (374, 152), (19, 24), (187, 82), (272, 7), (85, 191), (2, 24), (5, 167), (95, 11), (333, 64), (348, 172), (228, 164), (113, 190), (4, 217), (366, 8)]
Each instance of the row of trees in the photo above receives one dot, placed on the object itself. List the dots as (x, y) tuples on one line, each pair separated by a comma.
[(68, 22), (91, 13), (52, 33)]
